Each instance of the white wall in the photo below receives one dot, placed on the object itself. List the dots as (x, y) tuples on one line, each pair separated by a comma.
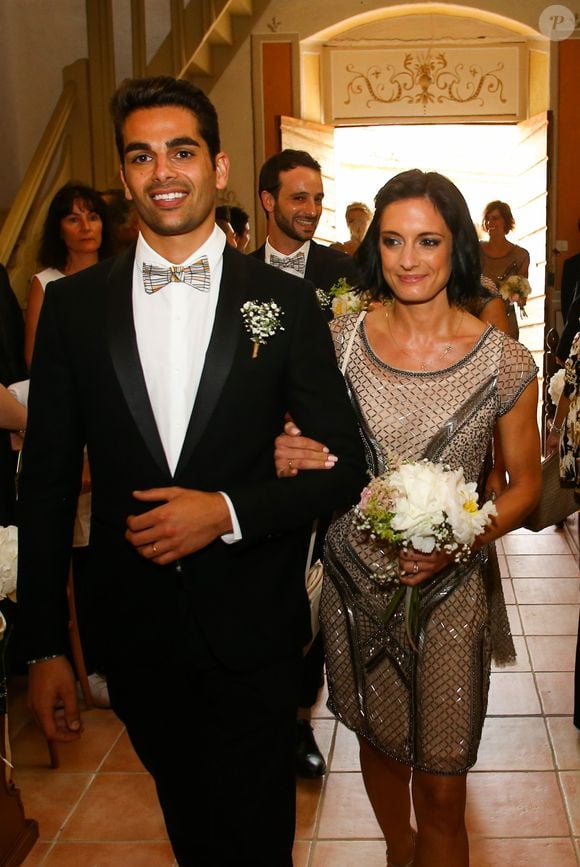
[(37, 39)]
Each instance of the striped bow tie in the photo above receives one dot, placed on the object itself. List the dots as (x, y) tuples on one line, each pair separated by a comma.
[(196, 275), (295, 262)]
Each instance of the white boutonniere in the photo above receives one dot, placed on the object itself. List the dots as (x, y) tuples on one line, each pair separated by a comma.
[(262, 320)]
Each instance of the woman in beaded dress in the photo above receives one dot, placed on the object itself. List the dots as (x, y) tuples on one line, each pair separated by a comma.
[(427, 379), (500, 258)]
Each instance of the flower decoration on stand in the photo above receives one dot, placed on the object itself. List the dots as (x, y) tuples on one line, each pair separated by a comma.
[(427, 506), (516, 290), (8, 567), (262, 320)]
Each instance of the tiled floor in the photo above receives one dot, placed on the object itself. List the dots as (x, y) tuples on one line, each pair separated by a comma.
[(99, 807)]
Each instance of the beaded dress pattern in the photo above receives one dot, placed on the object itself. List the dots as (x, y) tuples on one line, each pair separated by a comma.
[(426, 708)]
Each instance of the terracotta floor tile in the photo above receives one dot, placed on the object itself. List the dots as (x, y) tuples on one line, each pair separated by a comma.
[(515, 805), (122, 757), (19, 714), (513, 695), (324, 734), (570, 781), (117, 807), (514, 620), (551, 543), (552, 652), (301, 853), (37, 854), (556, 691), (522, 662), (346, 751), (543, 566), (508, 591), (547, 852), (514, 744), (539, 591), (319, 710), (348, 853), (134, 854), (565, 738), (50, 797), (346, 811), (549, 619), (101, 730), (308, 798)]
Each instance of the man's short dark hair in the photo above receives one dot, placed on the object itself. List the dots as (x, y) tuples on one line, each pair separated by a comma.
[(157, 92), (238, 218), (284, 161)]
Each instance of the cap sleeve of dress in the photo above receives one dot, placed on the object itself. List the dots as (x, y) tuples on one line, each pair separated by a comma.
[(517, 369)]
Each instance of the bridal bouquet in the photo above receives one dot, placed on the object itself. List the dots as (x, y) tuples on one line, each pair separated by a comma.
[(8, 566), (516, 289), (427, 506)]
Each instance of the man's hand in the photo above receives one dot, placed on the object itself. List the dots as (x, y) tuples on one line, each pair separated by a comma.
[(52, 699), (186, 522)]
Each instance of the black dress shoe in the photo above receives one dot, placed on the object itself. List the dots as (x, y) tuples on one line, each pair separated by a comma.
[(309, 760)]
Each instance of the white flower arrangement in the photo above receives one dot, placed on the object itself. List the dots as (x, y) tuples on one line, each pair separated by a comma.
[(8, 566), (341, 297), (427, 506), (516, 289), (262, 320), (556, 385)]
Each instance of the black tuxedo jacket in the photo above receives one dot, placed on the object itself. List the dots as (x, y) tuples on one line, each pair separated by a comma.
[(243, 603), (570, 283), (324, 266)]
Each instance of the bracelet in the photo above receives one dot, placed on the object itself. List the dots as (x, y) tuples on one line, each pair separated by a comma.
[(43, 658), (555, 429)]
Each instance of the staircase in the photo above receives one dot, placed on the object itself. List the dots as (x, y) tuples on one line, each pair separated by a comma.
[(202, 39)]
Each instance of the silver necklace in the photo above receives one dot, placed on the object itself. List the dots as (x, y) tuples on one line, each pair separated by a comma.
[(446, 349)]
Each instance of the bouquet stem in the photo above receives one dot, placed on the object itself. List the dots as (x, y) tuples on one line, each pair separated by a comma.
[(411, 595)]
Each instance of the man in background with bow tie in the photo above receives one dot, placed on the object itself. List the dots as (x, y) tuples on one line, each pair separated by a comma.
[(291, 192), (197, 550)]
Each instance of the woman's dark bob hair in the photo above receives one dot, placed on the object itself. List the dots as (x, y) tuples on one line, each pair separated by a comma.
[(448, 201), (53, 252)]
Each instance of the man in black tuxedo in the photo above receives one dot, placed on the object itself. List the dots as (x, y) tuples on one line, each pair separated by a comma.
[(569, 287), (197, 549), (291, 191)]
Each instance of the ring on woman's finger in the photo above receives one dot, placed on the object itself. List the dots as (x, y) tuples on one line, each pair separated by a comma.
[(415, 567), (403, 574), (155, 549), (290, 467)]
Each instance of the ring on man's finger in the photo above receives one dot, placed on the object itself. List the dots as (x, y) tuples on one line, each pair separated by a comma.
[(290, 467)]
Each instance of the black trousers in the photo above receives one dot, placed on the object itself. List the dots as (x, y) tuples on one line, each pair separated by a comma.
[(220, 747)]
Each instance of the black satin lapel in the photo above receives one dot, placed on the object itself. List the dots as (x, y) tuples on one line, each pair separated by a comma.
[(125, 355), (220, 353)]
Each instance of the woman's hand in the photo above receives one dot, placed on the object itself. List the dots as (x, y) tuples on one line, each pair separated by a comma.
[(293, 452), (416, 567)]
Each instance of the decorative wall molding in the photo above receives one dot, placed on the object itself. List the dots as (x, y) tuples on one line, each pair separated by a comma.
[(438, 82)]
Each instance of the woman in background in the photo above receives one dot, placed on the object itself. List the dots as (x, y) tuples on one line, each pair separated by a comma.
[(75, 235), (499, 257)]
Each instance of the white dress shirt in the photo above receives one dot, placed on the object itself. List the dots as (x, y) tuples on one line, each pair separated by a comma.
[(173, 327), (269, 249)]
